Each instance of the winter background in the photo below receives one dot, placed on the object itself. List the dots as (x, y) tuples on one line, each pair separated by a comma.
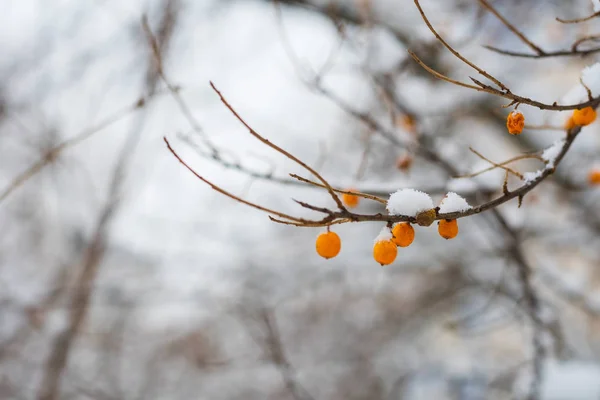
[(193, 295)]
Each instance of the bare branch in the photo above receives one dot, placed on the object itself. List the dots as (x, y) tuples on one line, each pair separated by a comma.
[(456, 53), (279, 149), (509, 95), (496, 165), (353, 193), (512, 28), (505, 91), (226, 193), (54, 152), (559, 53), (578, 20), (502, 164)]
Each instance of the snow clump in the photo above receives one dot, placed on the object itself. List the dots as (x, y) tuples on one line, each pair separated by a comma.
[(384, 235), (453, 203), (408, 202), (549, 155), (532, 176)]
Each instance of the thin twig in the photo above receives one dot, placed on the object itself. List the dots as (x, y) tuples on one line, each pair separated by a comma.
[(508, 95), (496, 165), (226, 193), (353, 193), (558, 53), (517, 158), (174, 90), (587, 89), (481, 87), (579, 42), (456, 53), (279, 149), (544, 128), (512, 28), (54, 152), (578, 20), (443, 77)]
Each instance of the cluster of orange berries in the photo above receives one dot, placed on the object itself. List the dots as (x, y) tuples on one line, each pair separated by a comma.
[(385, 249), (515, 121)]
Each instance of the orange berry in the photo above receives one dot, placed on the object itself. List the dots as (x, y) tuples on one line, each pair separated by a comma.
[(385, 252), (448, 228), (328, 244), (404, 234), (515, 122), (350, 200), (407, 122), (570, 124), (404, 162), (585, 116), (594, 177)]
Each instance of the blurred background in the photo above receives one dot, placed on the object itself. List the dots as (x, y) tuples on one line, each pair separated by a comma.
[(122, 276)]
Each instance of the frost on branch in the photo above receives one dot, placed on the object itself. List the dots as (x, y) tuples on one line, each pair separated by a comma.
[(532, 176), (409, 202), (453, 203), (549, 155)]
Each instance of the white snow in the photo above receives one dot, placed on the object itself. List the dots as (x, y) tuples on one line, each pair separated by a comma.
[(453, 203), (384, 235), (532, 176), (570, 380), (591, 75), (596, 4), (408, 202), (549, 155), (515, 112)]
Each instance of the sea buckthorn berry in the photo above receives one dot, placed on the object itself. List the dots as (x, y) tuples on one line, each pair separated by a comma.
[(585, 116), (404, 234), (426, 218), (385, 252), (448, 228), (570, 124), (350, 200), (408, 123), (594, 177), (515, 122), (404, 162), (328, 244)]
